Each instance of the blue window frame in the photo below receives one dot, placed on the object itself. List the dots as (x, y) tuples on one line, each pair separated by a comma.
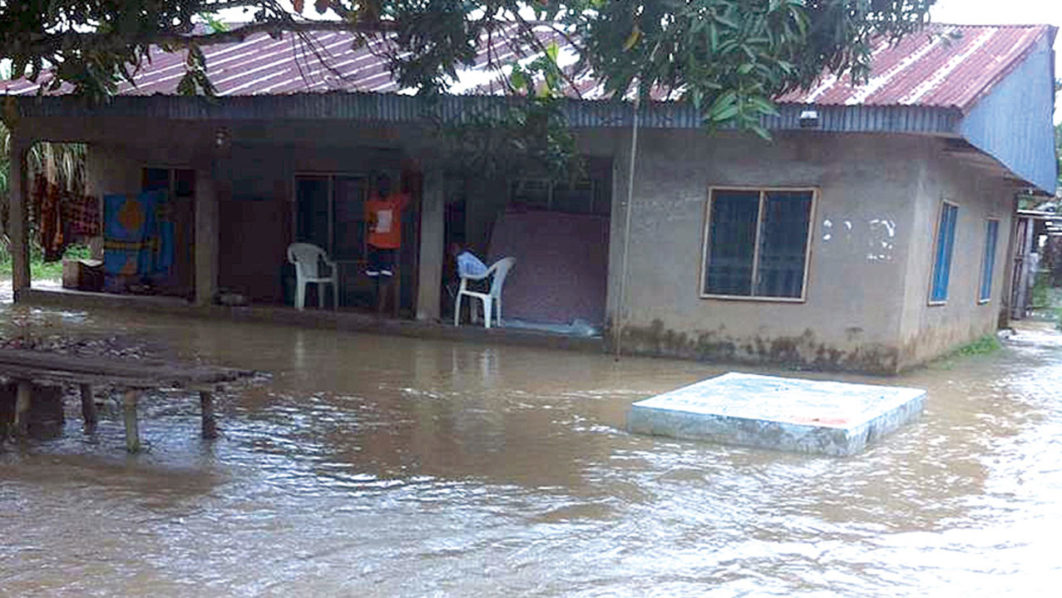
[(949, 214), (988, 264)]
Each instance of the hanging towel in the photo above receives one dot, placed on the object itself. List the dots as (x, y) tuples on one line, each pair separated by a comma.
[(138, 245), (124, 222), (52, 239), (82, 216)]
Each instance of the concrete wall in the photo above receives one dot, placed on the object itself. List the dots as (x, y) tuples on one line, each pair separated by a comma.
[(862, 227), (872, 234), (930, 330)]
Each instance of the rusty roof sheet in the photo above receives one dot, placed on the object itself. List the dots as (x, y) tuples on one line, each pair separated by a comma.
[(328, 62), (946, 66)]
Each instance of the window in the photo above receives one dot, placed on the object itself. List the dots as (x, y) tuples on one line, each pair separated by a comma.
[(756, 243), (583, 196), (988, 263), (949, 213), (179, 182)]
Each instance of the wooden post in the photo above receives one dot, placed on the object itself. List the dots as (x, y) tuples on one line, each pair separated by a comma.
[(23, 400), (88, 407), (206, 404), (132, 430), (206, 237), (18, 220)]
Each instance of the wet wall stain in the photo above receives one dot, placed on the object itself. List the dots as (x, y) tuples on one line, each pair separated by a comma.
[(936, 341), (805, 351)]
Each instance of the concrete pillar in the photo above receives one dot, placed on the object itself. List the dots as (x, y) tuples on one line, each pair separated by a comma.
[(206, 237), (18, 220), (432, 225)]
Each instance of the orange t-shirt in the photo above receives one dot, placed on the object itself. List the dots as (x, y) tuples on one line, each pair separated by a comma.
[(385, 220)]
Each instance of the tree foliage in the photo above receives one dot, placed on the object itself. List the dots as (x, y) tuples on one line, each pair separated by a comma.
[(1058, 156), (730, 57)]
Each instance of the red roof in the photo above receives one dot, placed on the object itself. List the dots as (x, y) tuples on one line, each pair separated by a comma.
[(943, 66), (946, 66)]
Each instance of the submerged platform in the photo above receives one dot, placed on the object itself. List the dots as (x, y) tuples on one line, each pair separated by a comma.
[(805, 416)]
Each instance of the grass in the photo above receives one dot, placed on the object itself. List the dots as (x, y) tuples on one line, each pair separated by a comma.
[(39, 269), (1041, 291), (986, 345), (983, 346)]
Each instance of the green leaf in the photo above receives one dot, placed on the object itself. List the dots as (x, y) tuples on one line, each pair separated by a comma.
[(186, 86), (517, 78), (763, 106), (552, 51), (632, 39), (727, 22), (762, 132), (724, 107)]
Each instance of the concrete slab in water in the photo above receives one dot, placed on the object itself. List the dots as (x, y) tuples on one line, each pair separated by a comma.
[(806, 416)]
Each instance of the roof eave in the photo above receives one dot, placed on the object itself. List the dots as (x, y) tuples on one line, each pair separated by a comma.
[(396, 108)]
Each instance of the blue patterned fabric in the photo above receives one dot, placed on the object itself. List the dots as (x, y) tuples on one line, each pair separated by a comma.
[(138, 244)]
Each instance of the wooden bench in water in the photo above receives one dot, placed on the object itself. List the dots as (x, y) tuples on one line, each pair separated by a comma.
[(134, 377)]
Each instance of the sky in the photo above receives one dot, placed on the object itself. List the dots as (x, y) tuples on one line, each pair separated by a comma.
[(1006, 12)]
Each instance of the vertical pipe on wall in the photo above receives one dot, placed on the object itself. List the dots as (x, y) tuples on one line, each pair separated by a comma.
[(1006, 302), (622, 303)]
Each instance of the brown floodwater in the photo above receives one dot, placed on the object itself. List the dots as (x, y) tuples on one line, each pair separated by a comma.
[(370, 465)]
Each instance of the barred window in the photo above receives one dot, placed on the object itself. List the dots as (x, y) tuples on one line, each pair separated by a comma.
[(756, 243)]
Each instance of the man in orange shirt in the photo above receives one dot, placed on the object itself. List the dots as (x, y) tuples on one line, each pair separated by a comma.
[(383, 211)]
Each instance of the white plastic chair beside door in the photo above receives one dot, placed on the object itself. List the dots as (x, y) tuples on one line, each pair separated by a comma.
[(492, 300), (307, 259)]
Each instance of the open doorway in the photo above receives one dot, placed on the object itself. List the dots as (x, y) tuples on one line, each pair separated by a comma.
[(177, 224), (329, 211)]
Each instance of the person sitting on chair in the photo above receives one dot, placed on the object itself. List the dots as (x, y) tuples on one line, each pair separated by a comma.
[(464, 263), (383, 211), (467, 262)]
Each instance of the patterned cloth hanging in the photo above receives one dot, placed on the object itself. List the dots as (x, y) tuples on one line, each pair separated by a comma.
[(52, 238), (137, 243), (62, 217), (81, 213)]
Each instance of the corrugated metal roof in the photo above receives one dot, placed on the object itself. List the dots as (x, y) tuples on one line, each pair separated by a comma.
[(319, 63), (945, 66)]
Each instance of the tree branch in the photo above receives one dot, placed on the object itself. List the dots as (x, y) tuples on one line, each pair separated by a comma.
[(54, 43)]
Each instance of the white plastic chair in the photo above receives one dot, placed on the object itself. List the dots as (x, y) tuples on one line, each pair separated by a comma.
[(492, 300), (307, 259)]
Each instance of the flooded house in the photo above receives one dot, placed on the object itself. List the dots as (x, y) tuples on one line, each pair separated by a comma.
[(871, 233)]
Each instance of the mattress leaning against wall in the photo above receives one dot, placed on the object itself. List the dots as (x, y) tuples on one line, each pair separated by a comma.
[(561, 271)]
